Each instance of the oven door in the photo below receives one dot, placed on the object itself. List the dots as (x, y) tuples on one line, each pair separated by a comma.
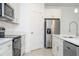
[(17, 46), (2, 34)]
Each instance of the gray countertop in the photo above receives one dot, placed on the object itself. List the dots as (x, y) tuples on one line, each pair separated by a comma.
[(11, 36), (74, 40)]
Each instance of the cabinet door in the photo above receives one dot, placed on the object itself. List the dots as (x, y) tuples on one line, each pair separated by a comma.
[(69, 49), (60, 47), (22, 44), (56, 49), (6, 49), (57, 46), (9, 53), (54, 46)]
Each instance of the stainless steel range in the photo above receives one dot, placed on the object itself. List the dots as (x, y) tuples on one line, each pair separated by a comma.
[(2, 32), (16, 42), (17, 46)]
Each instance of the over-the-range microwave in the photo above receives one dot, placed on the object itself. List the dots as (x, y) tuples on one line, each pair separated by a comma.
[(6, 11)]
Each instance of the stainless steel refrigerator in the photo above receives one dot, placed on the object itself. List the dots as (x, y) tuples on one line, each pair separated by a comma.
[(51, 26)]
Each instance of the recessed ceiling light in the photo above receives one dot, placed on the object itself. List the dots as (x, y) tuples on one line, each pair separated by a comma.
[(76, 10)]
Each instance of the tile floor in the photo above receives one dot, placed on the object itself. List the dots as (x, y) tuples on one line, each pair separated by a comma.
[(40, 52)]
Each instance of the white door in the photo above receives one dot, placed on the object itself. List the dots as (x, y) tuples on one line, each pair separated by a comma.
[(36, 31)]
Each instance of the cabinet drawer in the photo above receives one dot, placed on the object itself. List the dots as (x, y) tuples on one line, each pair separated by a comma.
[(69, 48), (66, 53)]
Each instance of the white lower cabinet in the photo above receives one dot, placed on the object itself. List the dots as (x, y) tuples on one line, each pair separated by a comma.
[(23, 45), (6, 49), (57, 46)]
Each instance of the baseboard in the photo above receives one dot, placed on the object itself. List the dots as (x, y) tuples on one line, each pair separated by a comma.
[(27, 51), (36, 49)]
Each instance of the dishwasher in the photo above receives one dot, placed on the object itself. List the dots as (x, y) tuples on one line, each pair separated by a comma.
[(70, 49)]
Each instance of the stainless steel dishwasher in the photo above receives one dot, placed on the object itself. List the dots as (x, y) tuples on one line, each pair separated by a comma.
[(70, 49)]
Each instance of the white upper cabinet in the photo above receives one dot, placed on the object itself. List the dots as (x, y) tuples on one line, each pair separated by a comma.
[(52, 13), (16, 7)]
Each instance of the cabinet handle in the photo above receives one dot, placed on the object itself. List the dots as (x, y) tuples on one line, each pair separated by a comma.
[(9, 45), (68, 47), (57, 48)]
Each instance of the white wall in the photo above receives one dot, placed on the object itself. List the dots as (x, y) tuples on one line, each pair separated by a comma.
[(31, 20), (33, 14), (67, 15)]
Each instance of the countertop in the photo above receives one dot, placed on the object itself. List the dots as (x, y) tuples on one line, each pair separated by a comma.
[(74, 40), (5, 40)]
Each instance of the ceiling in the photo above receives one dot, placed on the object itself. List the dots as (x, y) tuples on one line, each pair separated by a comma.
[(63, 4)]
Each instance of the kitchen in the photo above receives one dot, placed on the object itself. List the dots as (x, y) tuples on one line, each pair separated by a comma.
[(28, 25)]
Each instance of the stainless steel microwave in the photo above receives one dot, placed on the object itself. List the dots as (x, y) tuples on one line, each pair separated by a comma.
[(6, 11)]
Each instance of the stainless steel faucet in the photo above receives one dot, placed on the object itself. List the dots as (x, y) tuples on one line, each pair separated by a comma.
[(76, 27)]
